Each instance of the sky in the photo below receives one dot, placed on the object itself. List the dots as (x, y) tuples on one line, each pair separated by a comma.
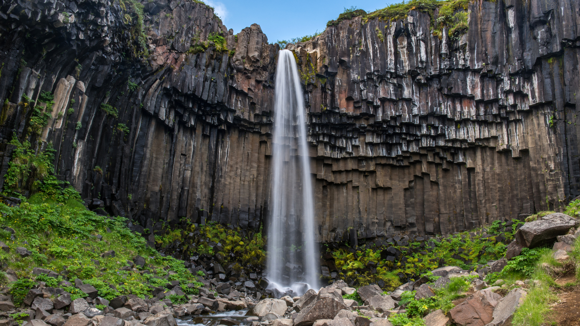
[(283, 20)]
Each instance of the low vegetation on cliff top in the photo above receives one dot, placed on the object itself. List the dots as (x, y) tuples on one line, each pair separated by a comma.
[(444, 13)]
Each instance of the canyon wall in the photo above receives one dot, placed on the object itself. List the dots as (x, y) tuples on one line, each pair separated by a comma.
[(408, 132)]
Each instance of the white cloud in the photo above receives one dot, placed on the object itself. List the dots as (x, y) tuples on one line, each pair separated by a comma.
[(219, 8)]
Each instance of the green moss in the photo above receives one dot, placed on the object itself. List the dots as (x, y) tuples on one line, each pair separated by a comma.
[(347, 14)]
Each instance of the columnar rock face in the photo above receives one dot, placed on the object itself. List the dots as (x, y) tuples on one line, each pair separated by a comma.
[(408, 132)]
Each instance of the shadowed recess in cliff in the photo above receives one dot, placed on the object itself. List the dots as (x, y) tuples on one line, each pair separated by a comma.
[(292, 253)]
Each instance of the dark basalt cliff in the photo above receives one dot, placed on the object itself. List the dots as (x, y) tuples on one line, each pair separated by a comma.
[(408, 132)]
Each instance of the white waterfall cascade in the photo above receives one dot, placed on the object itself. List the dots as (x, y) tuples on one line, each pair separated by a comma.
[(293, 259)]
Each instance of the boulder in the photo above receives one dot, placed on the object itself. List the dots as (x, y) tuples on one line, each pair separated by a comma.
[(341, 322), (42, 304), (234, 304), (514, 249), (118, 302), (41, 314), (93, 312), (561, 256), (381, 322), (437, 318), (347, 314), (89, 290), (544, 228), (62, 301), (322, 322), (423, 292), (348, 291), (266, 306), (78, 305), (111, 321), (443, 271), (567, 239), (326, 306), (31, 295), (562, 246), (361, 321), (139, 261), (476, 311), (78, 320), (6, 305), (55, 320), (35, 322), (4, 247), (381, 303), (137, 305), (210, 303), (369, 291), (23, 252), (507, 306), (288, 300), (497, 266), (123, 313), (160, 319), (305, 300), (350, 303), (283, 322)]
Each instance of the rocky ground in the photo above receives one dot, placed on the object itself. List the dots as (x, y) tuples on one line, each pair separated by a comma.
[(447, 295)]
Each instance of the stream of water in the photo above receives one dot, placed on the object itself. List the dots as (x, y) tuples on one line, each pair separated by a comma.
[(292, 252)]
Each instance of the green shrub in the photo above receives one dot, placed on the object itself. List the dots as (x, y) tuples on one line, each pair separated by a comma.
[(19, 289), (354, 297), (178, 299)]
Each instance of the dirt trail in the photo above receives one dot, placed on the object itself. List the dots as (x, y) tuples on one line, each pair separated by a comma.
[(566, 312)]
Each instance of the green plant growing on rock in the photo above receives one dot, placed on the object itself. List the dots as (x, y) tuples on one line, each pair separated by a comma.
[(110, 110), (19, 289), (19, 317)]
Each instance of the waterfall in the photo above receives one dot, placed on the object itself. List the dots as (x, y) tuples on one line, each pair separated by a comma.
[(292, 251)]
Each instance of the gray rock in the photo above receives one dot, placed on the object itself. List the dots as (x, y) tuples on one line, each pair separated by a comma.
[(78, 305), (23, 252), (269, 317), (210, 303), (341, 322), (305, 300), (369, 291), (41, 314), (35, 322), (544, 228), (514, 249), (118, 302), (288, 300), (381, 322), (160, 319), (107, 254), (42, 303), (55, 320), (31, 295), (479, 284), (347, 290), (561, 255), (326, 306), (423, 292), (567, 239), (111, 321), (92, 312), (137, 305), (4, 247), (283, 322), (381, 303), (139, 261), (443, 271), (437, 318), (123, 313), (266, 306), (62, 301), (346, 314), (78, 320), (89, 290), (6, 306), (507, 307), (249, 285), (497, 266), (144, 315)]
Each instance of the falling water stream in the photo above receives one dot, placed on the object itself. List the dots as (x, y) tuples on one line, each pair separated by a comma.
[(292, 252)]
